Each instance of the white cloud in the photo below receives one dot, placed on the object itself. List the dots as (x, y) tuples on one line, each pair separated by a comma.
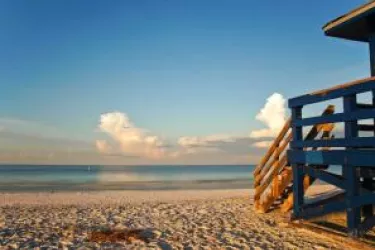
[(203, 141), (202, 144), (273, 115), (103, 147), (130, 139), (262, 144)]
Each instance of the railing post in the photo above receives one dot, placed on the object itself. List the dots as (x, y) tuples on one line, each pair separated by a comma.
[(349, 172), (298, 190), (368, 182), (372, 54), (276, 157)]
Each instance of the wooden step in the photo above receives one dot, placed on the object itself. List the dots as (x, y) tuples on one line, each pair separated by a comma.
[(279, 184)]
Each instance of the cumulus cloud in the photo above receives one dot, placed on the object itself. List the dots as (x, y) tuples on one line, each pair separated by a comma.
[(129, 138), (262, 144), (273, 115)]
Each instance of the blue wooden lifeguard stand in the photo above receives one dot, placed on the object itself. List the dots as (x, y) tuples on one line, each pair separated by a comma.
[(354, 152)]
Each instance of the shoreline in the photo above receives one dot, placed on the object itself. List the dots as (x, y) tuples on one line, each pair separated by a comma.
[(118, 197)]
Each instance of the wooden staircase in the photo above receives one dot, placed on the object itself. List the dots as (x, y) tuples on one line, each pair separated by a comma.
[(273, 176)]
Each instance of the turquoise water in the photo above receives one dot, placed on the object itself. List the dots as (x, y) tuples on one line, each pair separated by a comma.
[(85, 178)]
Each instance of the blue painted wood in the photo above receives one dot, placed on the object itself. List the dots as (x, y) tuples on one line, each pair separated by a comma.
[(320, 210), (364, 199), (356, 28), (366, 127), (333, 94), (331, 178), (298, 191), (353, 156), (372, 54), (365, 158), (338, 117), (368, 210), (360, 142), (366, 225), (365, 106), (353, 213)]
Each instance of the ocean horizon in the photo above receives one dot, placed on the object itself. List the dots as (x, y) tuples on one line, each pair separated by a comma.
[(50, 178)]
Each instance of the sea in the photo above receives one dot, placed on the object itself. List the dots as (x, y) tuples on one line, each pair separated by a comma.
[(54, 178)]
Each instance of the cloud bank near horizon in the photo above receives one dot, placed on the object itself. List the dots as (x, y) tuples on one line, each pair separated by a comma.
[(128, 139), (123, 142)]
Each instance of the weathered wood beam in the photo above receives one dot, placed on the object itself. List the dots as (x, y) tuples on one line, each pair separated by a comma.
[(260, 189), (273, 163), (271, 149)]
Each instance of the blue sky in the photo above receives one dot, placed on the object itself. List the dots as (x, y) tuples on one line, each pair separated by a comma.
[(174, 68)]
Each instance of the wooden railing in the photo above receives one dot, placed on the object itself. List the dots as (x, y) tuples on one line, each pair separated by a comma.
[(355, 154), (270, 165), (273, 175)]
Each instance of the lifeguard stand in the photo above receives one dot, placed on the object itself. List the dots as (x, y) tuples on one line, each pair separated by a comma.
[(283, 175), (355, 153)]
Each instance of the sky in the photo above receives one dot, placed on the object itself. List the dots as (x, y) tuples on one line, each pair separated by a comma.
[(161, 82)]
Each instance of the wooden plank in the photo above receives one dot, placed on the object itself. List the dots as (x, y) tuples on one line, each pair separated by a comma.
[(366, 225), (368, 210), (372, 54), (258, 178), (352, 183), (331, 178), (359, 142), (359, 114), (366, 127), (364, 199), (349, 16), (286, 178), (353, 213), (364, 158), (271, 149), (355, 87), (275, 171), (298, 190), (365, 106), (311, 212)]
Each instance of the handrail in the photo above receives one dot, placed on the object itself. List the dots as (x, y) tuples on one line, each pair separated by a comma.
[(264, 171), (355, 87), (272, 148), (276, 159)]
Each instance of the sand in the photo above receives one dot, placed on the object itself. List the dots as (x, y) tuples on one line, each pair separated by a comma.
[(197, 219)]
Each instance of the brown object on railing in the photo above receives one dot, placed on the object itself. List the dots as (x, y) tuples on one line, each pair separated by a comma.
[(273, 176)]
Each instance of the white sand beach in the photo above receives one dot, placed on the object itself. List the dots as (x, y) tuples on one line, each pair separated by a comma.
[(196, 219)]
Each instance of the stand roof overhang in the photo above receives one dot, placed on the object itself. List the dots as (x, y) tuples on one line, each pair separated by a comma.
[(357, 25)]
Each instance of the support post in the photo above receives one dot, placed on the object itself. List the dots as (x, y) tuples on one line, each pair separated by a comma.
[(298, 189), (350, 174), (372, 54), (368, 210)]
